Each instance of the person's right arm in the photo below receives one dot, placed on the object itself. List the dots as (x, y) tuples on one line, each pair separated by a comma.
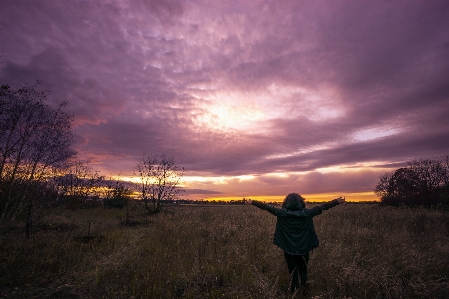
[(262, 206)]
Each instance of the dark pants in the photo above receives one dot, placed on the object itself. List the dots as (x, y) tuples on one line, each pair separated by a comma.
[(297, 266)]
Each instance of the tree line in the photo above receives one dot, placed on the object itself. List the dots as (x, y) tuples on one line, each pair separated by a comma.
[(422, 182)]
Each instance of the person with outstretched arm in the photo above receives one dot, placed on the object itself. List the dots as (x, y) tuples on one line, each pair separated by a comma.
[(295, 233)]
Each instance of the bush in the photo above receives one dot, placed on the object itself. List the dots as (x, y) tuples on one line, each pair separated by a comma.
[(116, 202)]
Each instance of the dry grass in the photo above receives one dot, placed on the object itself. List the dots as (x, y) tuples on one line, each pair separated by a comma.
[(225, 252)]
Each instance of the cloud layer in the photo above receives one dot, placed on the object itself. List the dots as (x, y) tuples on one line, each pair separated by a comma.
[(306, 96)]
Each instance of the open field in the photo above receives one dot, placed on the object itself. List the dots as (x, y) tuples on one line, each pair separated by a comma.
[(224, 252)]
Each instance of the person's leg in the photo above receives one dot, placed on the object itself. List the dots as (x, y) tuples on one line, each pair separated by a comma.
[(303, 263), (293, 269)]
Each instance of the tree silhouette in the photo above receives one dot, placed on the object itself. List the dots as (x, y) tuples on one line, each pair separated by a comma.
[(160, 180), (422, 182), (35, 140)]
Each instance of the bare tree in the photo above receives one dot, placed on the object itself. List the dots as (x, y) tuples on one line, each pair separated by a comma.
[(36, 140), (445, 165), (430, 175), (20, 118), (397, 187), (160, 180), (422, 182)]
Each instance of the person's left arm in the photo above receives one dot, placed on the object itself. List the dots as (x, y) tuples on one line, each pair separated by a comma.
[(326, 206)]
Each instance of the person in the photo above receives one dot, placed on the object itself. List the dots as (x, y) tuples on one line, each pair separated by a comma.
[(295, 234)]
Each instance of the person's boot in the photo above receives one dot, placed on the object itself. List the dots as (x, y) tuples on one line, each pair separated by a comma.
[(294, 287), (305, 289)]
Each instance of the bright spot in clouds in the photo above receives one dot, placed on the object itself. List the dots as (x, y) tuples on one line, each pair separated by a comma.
[(374, 133), (231, 111), (251, 110), (217, 180), (302, 151)]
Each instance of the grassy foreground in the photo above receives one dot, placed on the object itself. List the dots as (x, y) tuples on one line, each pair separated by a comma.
[(224, 252)]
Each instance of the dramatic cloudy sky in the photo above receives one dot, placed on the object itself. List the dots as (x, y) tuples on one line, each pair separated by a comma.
[(253, 98)]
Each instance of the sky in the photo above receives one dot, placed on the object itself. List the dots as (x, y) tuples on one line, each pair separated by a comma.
[(253, 98)]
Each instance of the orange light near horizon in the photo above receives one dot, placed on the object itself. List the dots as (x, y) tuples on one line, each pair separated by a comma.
[(350, 197), (322, 197), (225, 196)]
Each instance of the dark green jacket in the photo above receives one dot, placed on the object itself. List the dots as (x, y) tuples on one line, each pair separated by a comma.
[(295, 233)]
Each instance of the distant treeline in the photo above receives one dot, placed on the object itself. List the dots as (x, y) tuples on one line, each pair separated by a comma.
[(242, 202), (208, 202)]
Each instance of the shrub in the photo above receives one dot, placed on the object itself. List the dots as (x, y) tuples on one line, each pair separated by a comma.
[(116, 202)]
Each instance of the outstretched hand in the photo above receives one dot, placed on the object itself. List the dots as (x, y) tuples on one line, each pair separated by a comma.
[(341, 200)]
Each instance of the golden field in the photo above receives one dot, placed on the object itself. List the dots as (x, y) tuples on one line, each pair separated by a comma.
[(224, 251)]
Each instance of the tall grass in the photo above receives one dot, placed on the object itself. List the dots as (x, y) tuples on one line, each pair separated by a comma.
[(225, 252)]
